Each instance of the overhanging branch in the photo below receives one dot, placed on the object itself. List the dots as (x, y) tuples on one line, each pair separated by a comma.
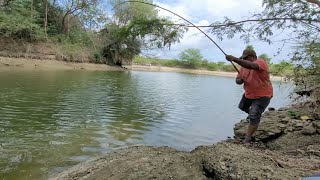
[(244, 21)]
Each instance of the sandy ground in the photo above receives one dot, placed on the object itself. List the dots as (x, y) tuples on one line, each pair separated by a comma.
[(35, 64), (192, 71)]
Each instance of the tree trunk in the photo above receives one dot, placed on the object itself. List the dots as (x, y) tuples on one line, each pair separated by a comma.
[(46, 20), (31, 9)]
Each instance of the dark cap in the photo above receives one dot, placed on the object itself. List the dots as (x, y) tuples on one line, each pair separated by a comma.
[(248, 52)]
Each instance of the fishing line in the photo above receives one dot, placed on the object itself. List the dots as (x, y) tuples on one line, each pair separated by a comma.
[(181, 18)]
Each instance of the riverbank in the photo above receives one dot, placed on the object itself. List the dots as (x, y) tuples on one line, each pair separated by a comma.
[(287, 147), (192, 71), (7, 63)]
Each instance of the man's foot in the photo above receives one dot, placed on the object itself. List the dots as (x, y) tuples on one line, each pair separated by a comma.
[(247, 142), (248, 119)]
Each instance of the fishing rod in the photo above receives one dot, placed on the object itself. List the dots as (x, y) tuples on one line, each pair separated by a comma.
[(181, 18)]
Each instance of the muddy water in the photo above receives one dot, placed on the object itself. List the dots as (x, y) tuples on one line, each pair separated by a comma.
[(53, 120)]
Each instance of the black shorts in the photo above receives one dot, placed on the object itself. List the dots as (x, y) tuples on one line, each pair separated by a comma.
[(254, 107)]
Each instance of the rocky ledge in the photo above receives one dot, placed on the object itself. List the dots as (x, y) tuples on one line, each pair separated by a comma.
[(287, 147)]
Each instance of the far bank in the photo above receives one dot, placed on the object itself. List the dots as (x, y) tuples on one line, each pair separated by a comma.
[(193, 71)]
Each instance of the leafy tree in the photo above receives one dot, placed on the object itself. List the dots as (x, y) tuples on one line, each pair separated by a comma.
[(265, 57), (135, 27), (191, 57), (299, 18), (250, 47)]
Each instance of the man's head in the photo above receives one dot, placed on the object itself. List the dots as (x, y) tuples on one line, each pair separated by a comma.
[(249, 54)]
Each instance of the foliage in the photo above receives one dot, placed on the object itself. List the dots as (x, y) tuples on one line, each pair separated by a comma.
[(135, 27), (191, 57), (265, 57), (18, 20), (250, 47), (300, 19)]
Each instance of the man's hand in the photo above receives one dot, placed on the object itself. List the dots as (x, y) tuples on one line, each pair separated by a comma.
[(239, 80), (230, 57)]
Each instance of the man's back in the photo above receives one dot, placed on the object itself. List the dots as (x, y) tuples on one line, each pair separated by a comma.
[(257, 82)]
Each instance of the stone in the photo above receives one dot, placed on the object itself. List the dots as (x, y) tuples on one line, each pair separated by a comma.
[(285, 120), (271, 109), (299, 125), (283, 109), (308, 130), (316, 124)]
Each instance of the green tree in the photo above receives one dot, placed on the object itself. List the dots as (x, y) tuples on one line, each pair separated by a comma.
[(134, 27), (191, 57), (303, 24), (265, 57), (250, 47)]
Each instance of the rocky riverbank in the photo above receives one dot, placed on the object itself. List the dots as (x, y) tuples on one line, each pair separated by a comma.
[(287, 147)]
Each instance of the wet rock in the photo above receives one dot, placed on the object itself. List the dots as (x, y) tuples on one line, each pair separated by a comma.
[(309, 130)]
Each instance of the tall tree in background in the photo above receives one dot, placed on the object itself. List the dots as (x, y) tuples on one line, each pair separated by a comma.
[(133, 28), (192, 57)]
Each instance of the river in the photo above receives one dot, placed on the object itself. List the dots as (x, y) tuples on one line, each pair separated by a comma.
[(53, 120)]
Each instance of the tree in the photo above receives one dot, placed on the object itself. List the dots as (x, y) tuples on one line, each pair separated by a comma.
[(250, 47), (191, 57), (265, 57), (135, 27), (300, 19)]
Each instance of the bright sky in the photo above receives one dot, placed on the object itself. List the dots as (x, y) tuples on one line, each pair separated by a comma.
[(204, 12)]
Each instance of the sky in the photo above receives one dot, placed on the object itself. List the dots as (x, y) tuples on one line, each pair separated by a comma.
[(205, 12)]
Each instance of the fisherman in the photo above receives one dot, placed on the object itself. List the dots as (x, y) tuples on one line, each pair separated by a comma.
[(254, 75)]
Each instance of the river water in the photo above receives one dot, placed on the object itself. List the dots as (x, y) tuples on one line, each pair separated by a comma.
[(53, 120)]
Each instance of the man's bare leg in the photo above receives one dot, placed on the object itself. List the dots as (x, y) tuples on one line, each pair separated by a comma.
[(250, 131)]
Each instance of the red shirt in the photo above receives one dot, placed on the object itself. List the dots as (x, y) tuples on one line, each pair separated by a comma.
[(257, 82)]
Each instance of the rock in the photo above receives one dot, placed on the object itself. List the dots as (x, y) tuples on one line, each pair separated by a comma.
[(318, 131), (316, 124), (282, 125), (271, 109), (283, 109), (309, 130), (268, 129), (299, 125), (285, 120)]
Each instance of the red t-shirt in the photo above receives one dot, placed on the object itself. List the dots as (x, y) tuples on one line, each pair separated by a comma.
[(257, 82)]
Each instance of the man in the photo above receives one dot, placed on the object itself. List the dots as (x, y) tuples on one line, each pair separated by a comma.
[(254, 74)]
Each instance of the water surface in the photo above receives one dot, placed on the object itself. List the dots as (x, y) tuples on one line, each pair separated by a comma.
[(53, 120)]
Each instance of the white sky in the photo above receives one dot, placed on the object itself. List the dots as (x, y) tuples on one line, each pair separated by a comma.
[(205, 12)]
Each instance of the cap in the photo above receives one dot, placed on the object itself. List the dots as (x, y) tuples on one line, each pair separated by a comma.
[(248, 52)]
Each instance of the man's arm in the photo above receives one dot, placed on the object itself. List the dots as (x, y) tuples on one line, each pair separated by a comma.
[(243, 63)]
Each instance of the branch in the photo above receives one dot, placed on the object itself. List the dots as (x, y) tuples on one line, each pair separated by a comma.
[(245, 21), (316, 2)]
